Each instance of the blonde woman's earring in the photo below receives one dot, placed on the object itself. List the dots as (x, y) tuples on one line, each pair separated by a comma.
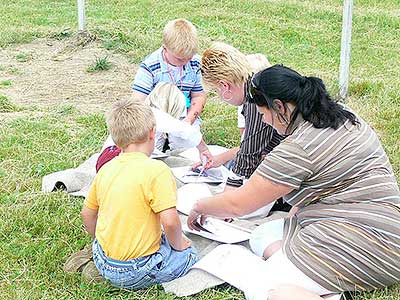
[(224, 95)]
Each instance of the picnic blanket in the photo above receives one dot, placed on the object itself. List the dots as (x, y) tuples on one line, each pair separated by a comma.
[(77, 182)]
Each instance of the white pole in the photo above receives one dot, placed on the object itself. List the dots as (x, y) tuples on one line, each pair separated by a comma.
[(344, 73), (81, 16)]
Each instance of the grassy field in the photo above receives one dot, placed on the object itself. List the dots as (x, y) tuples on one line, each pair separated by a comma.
[(38, 231)]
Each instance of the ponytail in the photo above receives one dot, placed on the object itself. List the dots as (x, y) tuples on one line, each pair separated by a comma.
[(316, 106), (309, 95)]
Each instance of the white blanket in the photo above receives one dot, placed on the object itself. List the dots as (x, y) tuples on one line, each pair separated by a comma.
[(75, 181)]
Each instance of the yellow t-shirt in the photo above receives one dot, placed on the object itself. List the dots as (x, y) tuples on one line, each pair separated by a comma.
[(129, 192)]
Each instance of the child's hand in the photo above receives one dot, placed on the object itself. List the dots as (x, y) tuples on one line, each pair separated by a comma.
[(185, 243)]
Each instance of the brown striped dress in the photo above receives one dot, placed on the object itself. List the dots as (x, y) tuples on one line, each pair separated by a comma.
[(346, 233)]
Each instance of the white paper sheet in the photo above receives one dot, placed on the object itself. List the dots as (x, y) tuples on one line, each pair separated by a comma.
[(214, 175), (234, 264), (189, 194), (241, 268)]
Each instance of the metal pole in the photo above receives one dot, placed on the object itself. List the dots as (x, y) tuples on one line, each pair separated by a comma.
[(81, 16), (344, 73)]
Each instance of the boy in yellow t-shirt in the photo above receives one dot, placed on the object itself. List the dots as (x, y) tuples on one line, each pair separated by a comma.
[(131, 197)]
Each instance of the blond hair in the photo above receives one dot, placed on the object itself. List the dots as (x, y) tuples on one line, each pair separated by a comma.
[(130, 122), (224, 62), (258, 62), (180, 37), (167, 98)]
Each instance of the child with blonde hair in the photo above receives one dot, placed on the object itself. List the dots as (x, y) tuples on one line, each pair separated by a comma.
[(175, 62), (132, 196)]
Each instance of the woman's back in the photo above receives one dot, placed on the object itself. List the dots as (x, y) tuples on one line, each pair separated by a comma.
[(331, 166)]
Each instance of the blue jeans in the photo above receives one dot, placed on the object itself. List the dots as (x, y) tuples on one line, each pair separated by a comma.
[(164, 265)]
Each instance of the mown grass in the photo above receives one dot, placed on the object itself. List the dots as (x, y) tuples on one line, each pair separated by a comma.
[(38, 231)]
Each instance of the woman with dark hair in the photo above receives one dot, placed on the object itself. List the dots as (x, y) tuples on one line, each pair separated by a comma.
[(343, 233)]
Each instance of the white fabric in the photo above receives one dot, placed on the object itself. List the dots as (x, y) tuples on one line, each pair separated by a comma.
[(278, 269), (76, 181), (240, 118), (266, 234), (181, 134)]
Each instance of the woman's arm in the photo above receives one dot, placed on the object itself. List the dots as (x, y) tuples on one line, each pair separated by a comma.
[(225, 157), (255, 193)]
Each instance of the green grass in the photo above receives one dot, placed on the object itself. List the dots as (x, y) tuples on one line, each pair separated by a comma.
[(100, 64), (65, 33), (5, 83), (6, 106), (38, 231), (23, 57), (10, 70)]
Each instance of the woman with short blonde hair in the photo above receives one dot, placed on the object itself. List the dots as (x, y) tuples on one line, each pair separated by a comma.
[(226, 70)]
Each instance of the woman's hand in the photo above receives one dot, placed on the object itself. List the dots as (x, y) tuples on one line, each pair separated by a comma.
[(216, 161), (206, 160), (194, 218), (220, 159)]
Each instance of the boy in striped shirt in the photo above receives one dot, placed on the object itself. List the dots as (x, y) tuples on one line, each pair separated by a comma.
[(177, 63)]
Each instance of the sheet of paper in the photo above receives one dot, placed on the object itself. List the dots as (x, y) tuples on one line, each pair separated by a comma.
[(221, 231), (214, 175), (193, 153), (189, 194), (234, 264), (241, 268)]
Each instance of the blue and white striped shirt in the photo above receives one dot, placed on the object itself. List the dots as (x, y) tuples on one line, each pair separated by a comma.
[(154, 69)]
